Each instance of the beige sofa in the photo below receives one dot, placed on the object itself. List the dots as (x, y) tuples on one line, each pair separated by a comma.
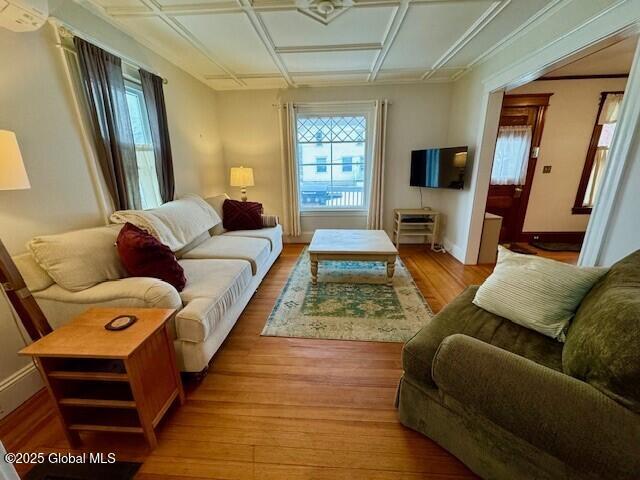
[(68, 273)]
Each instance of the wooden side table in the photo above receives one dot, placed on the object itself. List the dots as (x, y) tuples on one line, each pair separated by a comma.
[(110, 381)]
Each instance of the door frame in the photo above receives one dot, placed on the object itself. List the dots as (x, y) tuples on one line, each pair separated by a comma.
[(588, 37), (527, 100)]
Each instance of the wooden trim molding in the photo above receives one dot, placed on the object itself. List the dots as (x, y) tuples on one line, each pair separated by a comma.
[(578, 207), (583, 77), (527, 100)]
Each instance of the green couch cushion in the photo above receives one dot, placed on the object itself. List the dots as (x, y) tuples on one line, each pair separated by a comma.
[(462, 316), (603, 342)]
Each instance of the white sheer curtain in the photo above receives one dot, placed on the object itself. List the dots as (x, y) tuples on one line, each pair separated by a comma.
[(376, 198), (148, 178), (512, 155), (291, 199), (607, 121)]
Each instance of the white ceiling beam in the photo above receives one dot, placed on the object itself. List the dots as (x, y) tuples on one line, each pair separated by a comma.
[(485, 19), (261, 30), (189, 37), (345, 47), (392, 32)]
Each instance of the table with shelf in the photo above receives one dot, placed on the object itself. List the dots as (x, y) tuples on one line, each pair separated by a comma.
[(110, 381), (424, 222)]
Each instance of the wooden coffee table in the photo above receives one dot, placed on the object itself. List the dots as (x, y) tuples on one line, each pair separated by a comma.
[(358, 245)]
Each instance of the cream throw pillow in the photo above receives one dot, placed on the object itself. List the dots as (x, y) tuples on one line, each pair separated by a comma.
[(80, 259), (537, 293)]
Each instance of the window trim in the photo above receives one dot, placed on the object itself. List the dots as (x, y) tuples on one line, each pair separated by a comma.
[(578, 207), (340, 109)]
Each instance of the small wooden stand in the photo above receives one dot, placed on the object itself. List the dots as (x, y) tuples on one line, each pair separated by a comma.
[(110, 381), (425, 223)]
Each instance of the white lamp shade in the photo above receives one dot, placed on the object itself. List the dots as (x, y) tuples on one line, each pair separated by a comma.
[(241, 177), (13, 175)]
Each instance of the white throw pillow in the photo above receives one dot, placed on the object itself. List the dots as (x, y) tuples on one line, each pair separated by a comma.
[(216, 202), (537, 293), (80, 259)]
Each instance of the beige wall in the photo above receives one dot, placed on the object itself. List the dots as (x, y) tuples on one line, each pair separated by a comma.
[(567, 133), (249, 123), (35, 102)]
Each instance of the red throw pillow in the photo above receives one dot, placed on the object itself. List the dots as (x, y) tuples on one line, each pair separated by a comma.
[(142, 255), (241, 215)]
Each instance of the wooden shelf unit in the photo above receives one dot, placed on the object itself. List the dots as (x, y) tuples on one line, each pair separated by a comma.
[(427, 228), (125, 383)]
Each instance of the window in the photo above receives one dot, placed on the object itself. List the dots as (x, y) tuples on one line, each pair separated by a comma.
[(598, 152), (331, 156), (511, 157), (347, 164), (147, 177), (321, 164)]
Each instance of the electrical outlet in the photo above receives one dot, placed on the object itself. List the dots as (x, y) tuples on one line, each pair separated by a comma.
[(546, 169)]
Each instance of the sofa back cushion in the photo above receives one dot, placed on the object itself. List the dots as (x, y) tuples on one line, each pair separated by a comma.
[(216, 202), (175, 224), (80, 259), (603, 342), (144, 256), (242, 215)]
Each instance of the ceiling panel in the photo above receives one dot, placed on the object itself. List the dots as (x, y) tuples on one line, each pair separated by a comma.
[(345, 29), (170, 45), (328, 61), (429, 30), (614, 59), (233, 41), (515, 14)]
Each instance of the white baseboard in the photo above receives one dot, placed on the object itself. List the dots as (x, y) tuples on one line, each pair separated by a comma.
[(19, 387), (457, 252)]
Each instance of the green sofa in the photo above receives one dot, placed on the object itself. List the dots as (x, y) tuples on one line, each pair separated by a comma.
[(514, 404)]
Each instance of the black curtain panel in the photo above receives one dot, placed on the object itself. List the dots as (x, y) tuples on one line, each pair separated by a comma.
[(157, 113), (103, 83)]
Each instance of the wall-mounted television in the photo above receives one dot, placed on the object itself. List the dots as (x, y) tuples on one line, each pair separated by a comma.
[(439, 167)]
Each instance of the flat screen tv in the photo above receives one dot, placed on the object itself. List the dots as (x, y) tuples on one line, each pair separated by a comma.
[(439, 167)]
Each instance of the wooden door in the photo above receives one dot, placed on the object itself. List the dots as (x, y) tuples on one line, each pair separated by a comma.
[(510, 200)]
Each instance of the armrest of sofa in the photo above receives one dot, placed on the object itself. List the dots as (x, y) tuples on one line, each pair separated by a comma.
[(557, 413), (132, 291)]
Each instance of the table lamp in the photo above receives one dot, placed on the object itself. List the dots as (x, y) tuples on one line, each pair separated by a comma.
[(13, 175), (242, 177)]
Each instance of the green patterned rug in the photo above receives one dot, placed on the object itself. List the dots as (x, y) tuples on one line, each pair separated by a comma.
[(350, 302)]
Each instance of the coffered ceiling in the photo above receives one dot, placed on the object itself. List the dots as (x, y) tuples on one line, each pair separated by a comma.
[(245, 44)]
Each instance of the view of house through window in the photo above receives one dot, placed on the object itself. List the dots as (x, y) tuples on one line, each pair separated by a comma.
[(331, 158), (147, 177)]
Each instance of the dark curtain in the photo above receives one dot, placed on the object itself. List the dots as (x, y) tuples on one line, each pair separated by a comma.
[(157, 113), (103, 83)]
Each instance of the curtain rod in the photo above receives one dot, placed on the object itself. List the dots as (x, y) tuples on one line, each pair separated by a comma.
[(348, 102), (65, 31)]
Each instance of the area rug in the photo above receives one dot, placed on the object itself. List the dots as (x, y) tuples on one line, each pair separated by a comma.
[(350, 302), (557, 246)]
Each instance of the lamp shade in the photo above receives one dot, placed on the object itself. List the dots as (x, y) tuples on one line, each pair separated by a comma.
[(13, 175), (241, 177)]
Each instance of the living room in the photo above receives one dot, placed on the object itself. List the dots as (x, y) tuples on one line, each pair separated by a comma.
[(291, 367)]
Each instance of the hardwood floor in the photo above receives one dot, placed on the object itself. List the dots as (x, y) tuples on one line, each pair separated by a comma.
[(276, 408)]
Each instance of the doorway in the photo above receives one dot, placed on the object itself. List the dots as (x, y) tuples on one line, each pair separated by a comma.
[(517, 146), (550, 153)]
